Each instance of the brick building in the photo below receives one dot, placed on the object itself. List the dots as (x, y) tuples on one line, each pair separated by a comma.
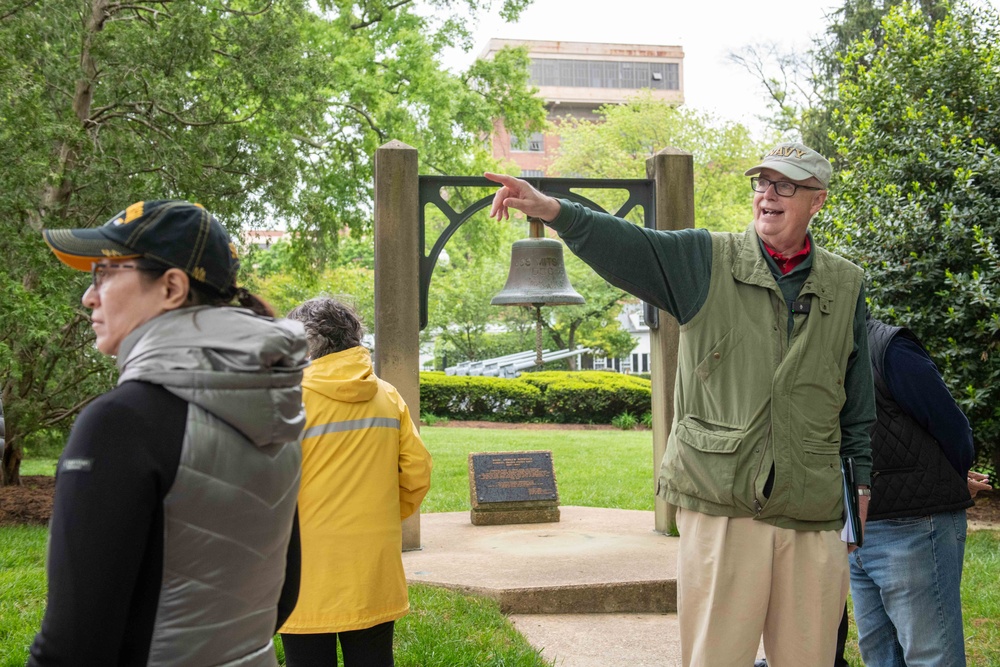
[(576, 78)]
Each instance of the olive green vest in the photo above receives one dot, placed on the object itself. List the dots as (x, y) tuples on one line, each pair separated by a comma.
[(747, 397)]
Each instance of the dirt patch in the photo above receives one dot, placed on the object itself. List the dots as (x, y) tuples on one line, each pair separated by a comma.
[(31, 503), (28, 504), (986, 512)]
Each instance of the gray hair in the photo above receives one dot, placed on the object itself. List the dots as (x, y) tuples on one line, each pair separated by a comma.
[(331, 325)]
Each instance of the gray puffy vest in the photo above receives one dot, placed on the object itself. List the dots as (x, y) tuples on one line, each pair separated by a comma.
[(228, 515)]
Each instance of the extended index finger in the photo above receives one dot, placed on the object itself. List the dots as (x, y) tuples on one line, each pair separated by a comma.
[(502, 179)]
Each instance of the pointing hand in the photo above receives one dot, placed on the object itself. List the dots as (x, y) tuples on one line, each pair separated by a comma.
[(518, 194)]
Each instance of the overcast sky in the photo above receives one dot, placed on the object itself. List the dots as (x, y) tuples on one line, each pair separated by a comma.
[(708, 30)]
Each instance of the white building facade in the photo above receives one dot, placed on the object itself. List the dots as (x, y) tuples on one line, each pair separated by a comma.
[(632, 321)]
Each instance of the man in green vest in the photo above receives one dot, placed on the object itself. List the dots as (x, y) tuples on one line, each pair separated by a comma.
[(773, 389)]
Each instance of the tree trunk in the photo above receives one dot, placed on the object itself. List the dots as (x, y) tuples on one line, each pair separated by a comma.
[(11, 473), (57, 192)]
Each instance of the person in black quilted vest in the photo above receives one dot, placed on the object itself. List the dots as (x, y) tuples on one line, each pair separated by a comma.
[(905, 580)]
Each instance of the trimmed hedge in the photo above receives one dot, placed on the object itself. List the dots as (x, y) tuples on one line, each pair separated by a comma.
[(580, 397), (474, 398)]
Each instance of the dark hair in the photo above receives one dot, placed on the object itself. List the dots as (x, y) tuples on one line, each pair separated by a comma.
[(331, 325), (202, 294)]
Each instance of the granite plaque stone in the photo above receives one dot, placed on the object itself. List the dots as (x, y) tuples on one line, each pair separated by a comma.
[(513, 487)]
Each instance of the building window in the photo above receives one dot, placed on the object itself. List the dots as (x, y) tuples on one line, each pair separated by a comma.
[(670, 76), (605, 74), (626, 76), (532, 173), (533, 144), (645, 362)]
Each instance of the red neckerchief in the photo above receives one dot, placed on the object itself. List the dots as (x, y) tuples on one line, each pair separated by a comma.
[(786, 264)]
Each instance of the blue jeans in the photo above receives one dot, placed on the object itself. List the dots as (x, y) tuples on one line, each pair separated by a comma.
[(906, 585)]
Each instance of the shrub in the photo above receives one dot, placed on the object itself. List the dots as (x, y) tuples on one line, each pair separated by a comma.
[(556, 396), (591, 396), (477, 398), (626, 421), (429, 418), (917, 199)]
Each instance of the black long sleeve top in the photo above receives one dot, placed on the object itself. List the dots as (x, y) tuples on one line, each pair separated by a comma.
[(105, 553)]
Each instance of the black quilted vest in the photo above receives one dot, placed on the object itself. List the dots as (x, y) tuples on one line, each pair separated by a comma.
[(910, 474)]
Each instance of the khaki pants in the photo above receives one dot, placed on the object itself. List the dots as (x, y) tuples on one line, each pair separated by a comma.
[(739, 579)]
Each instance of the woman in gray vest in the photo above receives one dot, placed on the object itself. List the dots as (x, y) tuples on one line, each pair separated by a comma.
[(172, 527)]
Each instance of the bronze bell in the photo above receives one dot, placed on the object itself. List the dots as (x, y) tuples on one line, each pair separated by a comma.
[(537, 276)]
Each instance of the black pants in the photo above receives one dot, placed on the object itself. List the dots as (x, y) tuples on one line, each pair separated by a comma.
[(839, 660), (371, 647)]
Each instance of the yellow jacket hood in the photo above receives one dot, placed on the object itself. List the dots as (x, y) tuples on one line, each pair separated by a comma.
[(343, 376)]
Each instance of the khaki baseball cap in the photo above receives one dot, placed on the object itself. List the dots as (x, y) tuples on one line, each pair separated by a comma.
[(796, 161)]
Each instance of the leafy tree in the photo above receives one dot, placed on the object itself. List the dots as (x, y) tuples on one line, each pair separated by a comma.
[(459, 310), (281, 279), (916, 199), (279, 257), (259, 109), (594, 323), (617, 145), (351, 284), (793, 87), (802, 87), (862, 19)]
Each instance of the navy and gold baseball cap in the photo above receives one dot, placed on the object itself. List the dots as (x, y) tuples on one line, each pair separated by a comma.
[(176, 233)]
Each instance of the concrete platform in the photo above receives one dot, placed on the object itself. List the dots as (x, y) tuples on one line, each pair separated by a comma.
[(596, 589), (593, 560)]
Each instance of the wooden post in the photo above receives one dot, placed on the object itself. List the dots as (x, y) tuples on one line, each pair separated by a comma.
[(397, 279), (673, 172)]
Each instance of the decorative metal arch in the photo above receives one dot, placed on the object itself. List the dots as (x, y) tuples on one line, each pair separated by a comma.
[(641, 192)]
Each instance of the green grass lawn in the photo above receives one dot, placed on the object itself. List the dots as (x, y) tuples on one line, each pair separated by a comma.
[(594, 468), (981, 598), (38, 467), (22, 591), (443, 629)]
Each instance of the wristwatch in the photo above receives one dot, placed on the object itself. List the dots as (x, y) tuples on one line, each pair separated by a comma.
[(864, 492)]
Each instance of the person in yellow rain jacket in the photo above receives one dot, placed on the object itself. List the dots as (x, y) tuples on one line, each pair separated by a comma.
[(364, 470)]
